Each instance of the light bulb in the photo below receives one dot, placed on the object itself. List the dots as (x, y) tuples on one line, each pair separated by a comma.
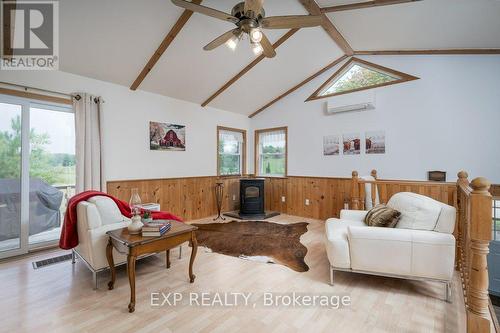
[(256, 35), (257, 48), (232, 43)]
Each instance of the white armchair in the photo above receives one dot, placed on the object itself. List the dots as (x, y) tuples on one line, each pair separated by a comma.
[(420, 247), (95, 217)]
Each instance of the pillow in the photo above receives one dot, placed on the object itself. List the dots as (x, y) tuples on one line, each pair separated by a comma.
[(382, 216)]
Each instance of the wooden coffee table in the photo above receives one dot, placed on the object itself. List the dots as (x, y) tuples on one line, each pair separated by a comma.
[(137, 245)]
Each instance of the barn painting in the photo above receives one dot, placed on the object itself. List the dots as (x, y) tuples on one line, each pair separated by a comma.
[(164, 136), (375, 142), (352, 144)]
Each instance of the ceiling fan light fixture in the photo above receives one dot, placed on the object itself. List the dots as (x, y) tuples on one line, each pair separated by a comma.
[(232, 42), (257, 48), (255, 35)]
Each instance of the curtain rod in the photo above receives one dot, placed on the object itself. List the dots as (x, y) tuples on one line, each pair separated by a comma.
[(25, 88), (39, 89)]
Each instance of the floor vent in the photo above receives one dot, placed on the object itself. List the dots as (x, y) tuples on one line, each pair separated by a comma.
[(51, 261)]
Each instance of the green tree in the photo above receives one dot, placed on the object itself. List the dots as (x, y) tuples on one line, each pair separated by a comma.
[(40, 160), (359, 77)]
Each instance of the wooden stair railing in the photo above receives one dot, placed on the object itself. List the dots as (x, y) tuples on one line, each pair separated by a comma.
[(474, 217), (473, 232)]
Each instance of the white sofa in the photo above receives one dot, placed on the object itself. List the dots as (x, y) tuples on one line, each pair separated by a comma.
[(420, 247), (95, 217)]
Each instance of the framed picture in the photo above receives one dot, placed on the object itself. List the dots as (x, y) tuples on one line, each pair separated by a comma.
[(436, 176), (164, 136), (331, 145), (352, 144), (375, 142)]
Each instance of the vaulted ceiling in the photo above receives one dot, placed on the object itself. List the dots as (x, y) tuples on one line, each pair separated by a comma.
[(112, 40)]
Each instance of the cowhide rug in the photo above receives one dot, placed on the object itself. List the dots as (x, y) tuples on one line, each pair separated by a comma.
[(257, 240)]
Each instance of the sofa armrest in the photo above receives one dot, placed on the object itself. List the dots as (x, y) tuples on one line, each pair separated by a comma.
[(353, 215)]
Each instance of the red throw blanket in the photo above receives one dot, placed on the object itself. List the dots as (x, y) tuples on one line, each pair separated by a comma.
[(69, 233)]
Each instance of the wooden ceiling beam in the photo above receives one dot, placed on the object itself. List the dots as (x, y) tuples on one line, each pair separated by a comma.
[(249, 67), (305, 81), (169, 38), (312, 7), (430, 52), (365, 4)]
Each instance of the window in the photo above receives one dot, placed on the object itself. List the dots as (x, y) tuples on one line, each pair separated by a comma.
[(358, 75), (496, 218), (231, 151), (271, 152)]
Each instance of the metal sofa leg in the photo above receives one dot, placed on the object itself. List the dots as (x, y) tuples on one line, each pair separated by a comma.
[(180, 251), (448, 291), (94, 279), (332, 275), (73, 256)]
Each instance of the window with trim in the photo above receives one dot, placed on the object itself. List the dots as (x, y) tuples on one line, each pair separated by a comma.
[(231, 148), (356, 75), (271, 152)]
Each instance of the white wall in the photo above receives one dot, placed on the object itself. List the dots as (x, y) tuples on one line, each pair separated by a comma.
[(448, 120), (126, 119)]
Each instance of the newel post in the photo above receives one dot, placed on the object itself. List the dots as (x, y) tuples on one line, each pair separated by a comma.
[(355, 191), (478, 319), (374, 174)]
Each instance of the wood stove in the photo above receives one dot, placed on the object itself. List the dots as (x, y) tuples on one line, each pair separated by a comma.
[(251, 201), (252, 196)]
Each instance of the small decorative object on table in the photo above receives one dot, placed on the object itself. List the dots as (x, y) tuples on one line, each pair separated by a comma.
[(219, 194), (146, 217), (135, 227)]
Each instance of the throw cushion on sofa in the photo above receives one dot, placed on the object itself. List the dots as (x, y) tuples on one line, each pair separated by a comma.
[(382, 216)]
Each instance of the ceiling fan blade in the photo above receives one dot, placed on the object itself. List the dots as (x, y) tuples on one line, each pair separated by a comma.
[(253, 5), (205, 10), (221, 39), (292, 21), (268, 48)]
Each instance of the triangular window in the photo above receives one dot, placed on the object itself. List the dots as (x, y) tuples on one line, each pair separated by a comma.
[(358, 75)]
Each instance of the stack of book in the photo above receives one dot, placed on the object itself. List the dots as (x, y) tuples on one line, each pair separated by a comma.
[(155, 228)]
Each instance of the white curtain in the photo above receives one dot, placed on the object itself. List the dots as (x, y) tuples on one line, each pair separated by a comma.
[(88, 142), (273, 138), (230, 136)]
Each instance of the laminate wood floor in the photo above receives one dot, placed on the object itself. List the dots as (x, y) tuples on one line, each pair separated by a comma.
[(60, 298)]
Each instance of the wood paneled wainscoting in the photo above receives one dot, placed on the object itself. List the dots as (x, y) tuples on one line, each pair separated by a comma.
[(190, 197), (325, 196), (313, 197)]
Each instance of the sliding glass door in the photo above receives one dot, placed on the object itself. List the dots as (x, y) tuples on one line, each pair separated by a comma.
[(37, 172), (11, 214)]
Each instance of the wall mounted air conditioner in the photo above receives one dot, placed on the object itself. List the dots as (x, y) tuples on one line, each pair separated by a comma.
[(350, 108)]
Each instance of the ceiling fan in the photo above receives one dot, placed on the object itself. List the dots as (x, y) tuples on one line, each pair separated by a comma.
[(250, 18)]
